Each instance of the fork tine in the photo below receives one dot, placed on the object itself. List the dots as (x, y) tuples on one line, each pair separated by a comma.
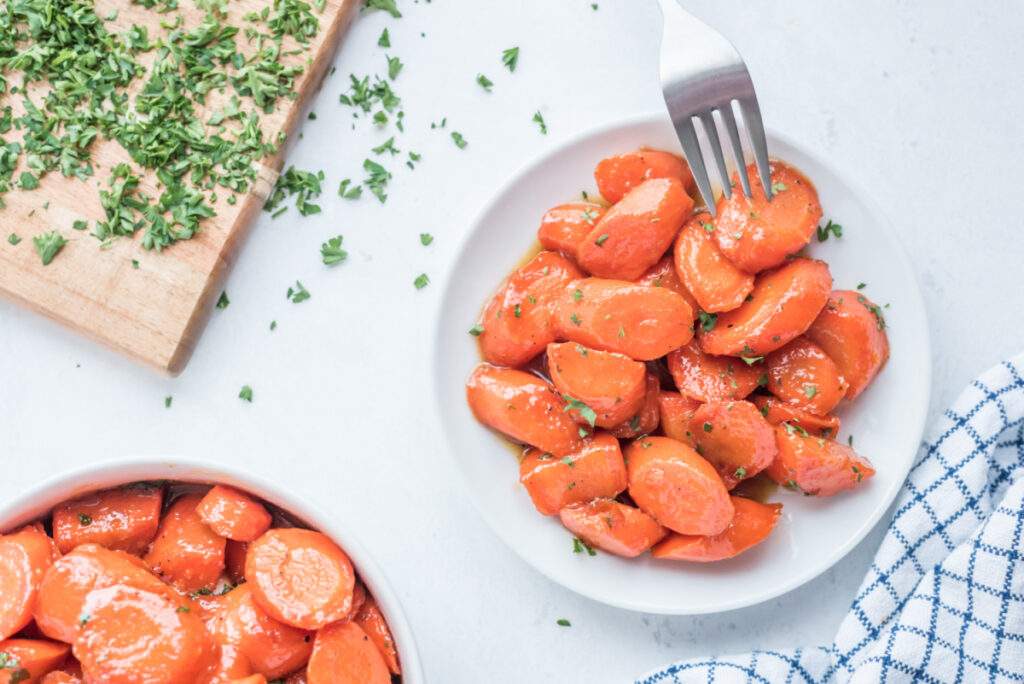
[(755, 128), (691, 149), (737, 147), (711, 130)]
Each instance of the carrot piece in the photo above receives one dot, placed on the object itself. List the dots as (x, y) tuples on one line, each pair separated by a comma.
[(251, 679), (815, 465), (65, 586), (232, 514), (635, 232), (663, 274), (564, 227), (186, 552), (751, 525), (133, 635), (343, 652), (612, 526), (735, 438), (26, 660), (703, 377), (376, 627), (300, 577), (272, 648), (124, 519), (231, 663), (523, 407), (775, 412), (517, 321), (60, 677), (617, 175), (675, 412), (645, 421), (756, 234), (25, 556), (782, 306), (802, 375), (234, 560), (611, 384), (597, 469), (644, 323), (851, 330), (358, 599), (671, 482), (715, 282)]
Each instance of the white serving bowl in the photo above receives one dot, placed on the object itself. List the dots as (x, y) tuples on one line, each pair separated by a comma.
[(814, 533), (37, 502)]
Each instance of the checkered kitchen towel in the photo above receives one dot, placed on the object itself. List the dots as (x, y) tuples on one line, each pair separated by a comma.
[(944, 599)]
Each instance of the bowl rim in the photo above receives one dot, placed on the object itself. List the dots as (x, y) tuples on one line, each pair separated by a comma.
[(40, 498), (923, 346)]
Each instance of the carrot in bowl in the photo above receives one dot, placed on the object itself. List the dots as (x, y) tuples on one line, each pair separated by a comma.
[(563, 228), (25, 556), (675, 412), (775, 411), (621, 173), (714, 281), (612, 526), (232, 514), (802, 375), (704, 377), (596, 470), (735, 438), (27, 660), (611, 384), (663, 274), (186, 552), (851, 330), (816, 465), (125, 519), (751, 524), (644, 421), (343, 652), (376, 627)]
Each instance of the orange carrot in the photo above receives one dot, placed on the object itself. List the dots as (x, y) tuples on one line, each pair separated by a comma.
[(186, 552), (25, 556), (251, 679), (775, 412), (595, 470), (523, 407), (376, 627), (634, 233), (802, 375), (716, 284), (815, 465), (735, 438), (612, 526), (343, 652), (751, 525), (27, 660), (663, 274), (851, 330), (232, 514), (231, 663), (564, 227), (675, 411), (611, 384), (703, 377), (644, 421), (60, 677), (617, 175), (123, 519)]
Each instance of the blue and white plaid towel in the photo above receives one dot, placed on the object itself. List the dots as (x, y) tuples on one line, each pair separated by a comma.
[(944, 599)]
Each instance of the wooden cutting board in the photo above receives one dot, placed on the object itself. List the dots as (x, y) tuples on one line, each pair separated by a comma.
[(156, 311)]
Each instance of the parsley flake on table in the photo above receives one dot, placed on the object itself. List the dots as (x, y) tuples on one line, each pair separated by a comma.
[(377, 180), (460, 141), (223, 301), (349, 193), (510, 58), (298, 293), (167, 401), (332, 252), (414, 157), (426, 239), (394, 67), (245, 394), (273, 326), (304, 185), (388, 6), (385, 39), (562, 622), (79, 224), (538, 119), (422, 280), (13, 238), (48, 245), (484, 82), (386, 146)]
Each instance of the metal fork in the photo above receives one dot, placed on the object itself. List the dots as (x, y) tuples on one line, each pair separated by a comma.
[(701, 73)]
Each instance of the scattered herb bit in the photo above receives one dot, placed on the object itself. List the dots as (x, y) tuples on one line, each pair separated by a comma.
[(861, 286), (762, 381), (388, 6), (779, 186), (517, 311), (426, 239), (707, 321), (708, 227), (601, 239), (538, 119), (273, 326), (84, 520), (305, 185), (13, 238), (460, 141), (562, 622), (576, 320), (223, 301), (708, 427), (386, 146), (167, 401), (810, 390), (829, 228), (331, 251), (484, 82), (385, 39), (27, 181), (378, 179), (183, 609), (347, 192), (740, 473), (79, 224), (477, 330), (245, 394), (422, 280), (751, 360), (579, 546), (135, 264), (394, 67), (298, 293), (48, 245), (577, 295), (585, 412), (510, 58)]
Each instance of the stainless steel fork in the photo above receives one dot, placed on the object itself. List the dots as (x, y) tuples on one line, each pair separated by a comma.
[(701, 73)]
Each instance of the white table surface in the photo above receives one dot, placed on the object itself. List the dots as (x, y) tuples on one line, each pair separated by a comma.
[(917, 102)]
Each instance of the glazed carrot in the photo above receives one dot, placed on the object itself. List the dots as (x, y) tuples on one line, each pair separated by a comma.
[(123, 519), (131, 635), (611, 384), (251, 679), (597, 469), (775, 412), (60, 677), (612, 526), (783, 305), (802, 375), (564, 227), (715, 282), (272, 648), (756, 234), (186, 552), (69, 581), (675, 412), (358, 599), (635, 232), (645, 421), (25, 556), (671, 482), (300, 577), (517, 320), (524, 407), (851, 330), (343, 652), (26, 660), (751, 525), (703, 377), (815, 465), (234, 560), (644, 323), (232, 514), (735, 438), (376, 627), (617, 175), (231, 663), (663, 274)]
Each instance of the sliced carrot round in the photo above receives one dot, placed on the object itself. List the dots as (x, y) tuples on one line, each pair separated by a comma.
[(757, 234), (635, 232), (232, 514), (781, 307), (751, 525), (300, 577), (816, 465), (803, 375), (523, 407), (186, 552), (775, 412), (663, 274), (703, 377), (612, 526), (851, 330), (675, 412), (735, 438), (596, 470), (618, 175), (644, 421), (25, 556), (714, 281), (371, 619), (564, 227), (671, 482), (612, 385), (343, 652), (26, 660), (123, 519)]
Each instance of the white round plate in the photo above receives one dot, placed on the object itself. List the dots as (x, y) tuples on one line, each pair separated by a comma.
[(813, 533)]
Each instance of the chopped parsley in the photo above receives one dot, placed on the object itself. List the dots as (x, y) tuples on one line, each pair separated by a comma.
[(707, 321), (740, 473), (601, 239), (298, 293), (377, 180), (388, 6), (394, 67), (48, 245), (579, 546), (350, 193), (422, 280), (13, 238), (426, 239), (585, 412), (538, 119), (167, 401), (84, 520), (331, 251), (810, 390), (385, 39), (304, 185), (459, 140), (484, 82), (223, 301), (779, 186), (245, 394), (510, 58), (477, 330), (562, 622)]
